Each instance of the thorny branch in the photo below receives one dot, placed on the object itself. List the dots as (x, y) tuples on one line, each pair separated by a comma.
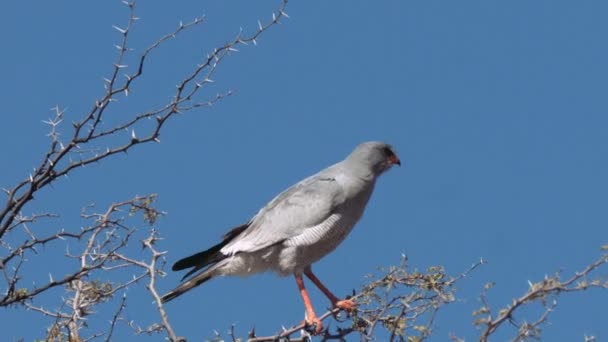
[(58, 160), (103, 248), (403, 303), (543, 292), (89, 139)]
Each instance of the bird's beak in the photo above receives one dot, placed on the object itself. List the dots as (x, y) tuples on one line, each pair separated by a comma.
[(392, 160)]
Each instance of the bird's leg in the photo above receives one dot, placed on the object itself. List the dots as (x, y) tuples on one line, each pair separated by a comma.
[(345, 304), (311, 317)]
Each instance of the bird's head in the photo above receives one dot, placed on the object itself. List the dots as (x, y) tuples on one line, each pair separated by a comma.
[(373, 156)]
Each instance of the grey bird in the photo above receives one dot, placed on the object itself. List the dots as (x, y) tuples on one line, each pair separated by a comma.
[(297, 228)]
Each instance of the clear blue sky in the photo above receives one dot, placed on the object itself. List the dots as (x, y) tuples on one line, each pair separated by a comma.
[(499, 112)]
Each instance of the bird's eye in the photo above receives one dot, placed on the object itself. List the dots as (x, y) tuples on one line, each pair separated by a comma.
[(388, 152)]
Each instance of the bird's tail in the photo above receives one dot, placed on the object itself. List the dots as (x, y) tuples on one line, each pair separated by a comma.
[(212, 259), (191, 283)]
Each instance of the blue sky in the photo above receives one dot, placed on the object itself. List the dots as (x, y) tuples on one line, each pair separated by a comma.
[(498, 111)]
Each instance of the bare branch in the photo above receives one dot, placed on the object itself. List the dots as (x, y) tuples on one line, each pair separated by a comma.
[(88, 130), (540, 292)]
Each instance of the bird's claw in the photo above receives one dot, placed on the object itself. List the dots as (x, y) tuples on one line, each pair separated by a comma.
[(313, 326), (346, 305)]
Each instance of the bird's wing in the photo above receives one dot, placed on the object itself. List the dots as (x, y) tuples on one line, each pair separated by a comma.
[(302, 206)]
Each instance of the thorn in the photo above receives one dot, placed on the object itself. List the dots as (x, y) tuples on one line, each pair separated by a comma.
[(284, 14), (260, 25), (123, 31)]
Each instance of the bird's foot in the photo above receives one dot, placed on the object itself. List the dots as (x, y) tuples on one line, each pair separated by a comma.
[(313, 325), (346, 305)]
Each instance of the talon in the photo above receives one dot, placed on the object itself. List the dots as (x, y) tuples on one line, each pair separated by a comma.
[(346, 305), (313, 326)]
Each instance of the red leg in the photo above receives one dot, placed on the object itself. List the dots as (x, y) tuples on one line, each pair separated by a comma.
[(311, 316), (346, 304)]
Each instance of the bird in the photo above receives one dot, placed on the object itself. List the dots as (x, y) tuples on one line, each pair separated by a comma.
[(297, 228)]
